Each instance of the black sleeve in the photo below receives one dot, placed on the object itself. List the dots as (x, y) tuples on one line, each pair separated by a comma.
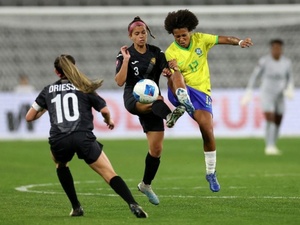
[(119, 62), (162, 61), (41, 99), (97, 102)]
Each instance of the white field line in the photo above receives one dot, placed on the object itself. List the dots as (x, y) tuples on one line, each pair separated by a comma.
[(30, 187)]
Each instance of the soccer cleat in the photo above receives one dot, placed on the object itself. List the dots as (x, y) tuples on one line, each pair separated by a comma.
[(77, 212), (213, 182), (138, 211), (175, 115), (184, 99), (147, 190), (272, 150)]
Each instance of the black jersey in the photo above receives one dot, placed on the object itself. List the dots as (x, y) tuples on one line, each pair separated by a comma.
[(70, 110), (148, 65)]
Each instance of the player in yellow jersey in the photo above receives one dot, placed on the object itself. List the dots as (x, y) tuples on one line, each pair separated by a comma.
[(189, 85)]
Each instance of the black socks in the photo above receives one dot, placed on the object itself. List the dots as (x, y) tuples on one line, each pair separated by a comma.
[(151, 168), (120, 187), (66, 181)]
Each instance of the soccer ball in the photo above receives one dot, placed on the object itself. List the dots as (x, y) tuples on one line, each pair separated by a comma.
[(145, 91)]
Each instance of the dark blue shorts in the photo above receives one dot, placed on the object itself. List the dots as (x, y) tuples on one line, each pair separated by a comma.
[(200, 100)]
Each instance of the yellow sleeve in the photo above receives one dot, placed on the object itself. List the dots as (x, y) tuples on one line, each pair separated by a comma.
[(169, 53)]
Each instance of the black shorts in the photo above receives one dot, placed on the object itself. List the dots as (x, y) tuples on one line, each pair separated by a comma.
[(84, 144), (149, 121)]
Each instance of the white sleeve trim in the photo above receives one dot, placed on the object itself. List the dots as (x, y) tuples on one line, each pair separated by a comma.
[(37, 107)]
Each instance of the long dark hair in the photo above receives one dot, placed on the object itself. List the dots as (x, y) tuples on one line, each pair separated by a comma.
[(138, 19)]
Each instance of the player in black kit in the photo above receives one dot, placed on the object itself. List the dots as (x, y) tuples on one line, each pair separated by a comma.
[(134, 63), (69, 102)]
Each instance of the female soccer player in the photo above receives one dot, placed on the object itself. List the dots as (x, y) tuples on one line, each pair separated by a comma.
[(275, 70), (134, 63), (188, 55), (69, 102)]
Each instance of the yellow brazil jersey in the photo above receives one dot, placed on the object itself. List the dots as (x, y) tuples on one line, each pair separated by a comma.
[(192, 61)]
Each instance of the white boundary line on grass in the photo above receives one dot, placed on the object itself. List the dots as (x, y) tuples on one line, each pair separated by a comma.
[(28, 188)]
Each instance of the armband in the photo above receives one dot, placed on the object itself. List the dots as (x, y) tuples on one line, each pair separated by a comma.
[(36, 107), (240, 42)]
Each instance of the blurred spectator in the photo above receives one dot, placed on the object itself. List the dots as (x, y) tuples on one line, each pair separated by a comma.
[(24, 86)]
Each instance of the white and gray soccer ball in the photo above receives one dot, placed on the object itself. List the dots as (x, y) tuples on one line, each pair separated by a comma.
[(145, 91)]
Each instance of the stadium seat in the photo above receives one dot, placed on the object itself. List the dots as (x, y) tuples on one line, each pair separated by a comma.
[(10, 2), (139, 2), (71, 2), (133, 2), (279, 2), (256, 2), (217, 2), (157, 2), (237, 2), (50, 3), (119, 2), (93, 2)]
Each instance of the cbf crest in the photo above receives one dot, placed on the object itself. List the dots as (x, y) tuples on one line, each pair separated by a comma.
[(198, 51)]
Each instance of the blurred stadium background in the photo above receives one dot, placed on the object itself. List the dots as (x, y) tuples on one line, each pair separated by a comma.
[(255, 189), (34, 32)]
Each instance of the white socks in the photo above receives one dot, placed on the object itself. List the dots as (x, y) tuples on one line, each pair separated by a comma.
[(271, 134), (210, 161)]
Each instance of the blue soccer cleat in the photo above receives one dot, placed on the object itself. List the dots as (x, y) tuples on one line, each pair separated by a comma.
[(213, 182)]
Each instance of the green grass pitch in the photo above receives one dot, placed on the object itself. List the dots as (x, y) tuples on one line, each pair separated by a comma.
[(255, 189)]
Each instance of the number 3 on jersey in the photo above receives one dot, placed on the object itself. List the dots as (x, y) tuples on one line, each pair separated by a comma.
[(62, 107), (136, 70)]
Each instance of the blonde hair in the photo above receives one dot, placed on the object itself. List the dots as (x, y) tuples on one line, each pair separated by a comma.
[(65, 65)]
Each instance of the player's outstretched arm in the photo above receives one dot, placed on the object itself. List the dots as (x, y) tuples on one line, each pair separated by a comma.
[(244, 43)]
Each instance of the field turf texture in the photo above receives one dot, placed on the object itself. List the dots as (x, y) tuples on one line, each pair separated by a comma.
[(255, 189)]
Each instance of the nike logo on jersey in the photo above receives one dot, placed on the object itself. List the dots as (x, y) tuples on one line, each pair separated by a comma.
[(135, 62)]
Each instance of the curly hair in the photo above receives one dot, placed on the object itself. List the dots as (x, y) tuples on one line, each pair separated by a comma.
[(181, 19)]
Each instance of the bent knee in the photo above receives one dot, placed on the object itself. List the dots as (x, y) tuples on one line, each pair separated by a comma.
[(155, 151)]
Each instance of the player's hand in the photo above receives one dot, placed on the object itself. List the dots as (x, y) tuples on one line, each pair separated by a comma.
[(125, 53), (173, 64), (246, 43), (167, 72), (110, 124), (246, 98), (289, 92)]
